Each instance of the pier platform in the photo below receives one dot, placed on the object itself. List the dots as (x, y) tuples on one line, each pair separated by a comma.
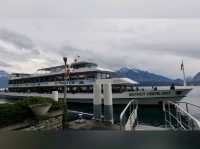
[(142, 127)]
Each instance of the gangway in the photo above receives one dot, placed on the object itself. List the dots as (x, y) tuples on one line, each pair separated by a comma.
[(128, 117), (178, 116)]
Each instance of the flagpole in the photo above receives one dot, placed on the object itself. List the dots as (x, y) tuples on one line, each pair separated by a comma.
[(183, 70), (185, 84)]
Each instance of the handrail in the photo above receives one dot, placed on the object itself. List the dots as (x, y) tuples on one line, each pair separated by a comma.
[(189, 116), (189, 104), (123, 112), (132, 112)]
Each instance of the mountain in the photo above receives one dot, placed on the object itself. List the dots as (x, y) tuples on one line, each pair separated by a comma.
[(146, 78), (195, 80), (3, 79)]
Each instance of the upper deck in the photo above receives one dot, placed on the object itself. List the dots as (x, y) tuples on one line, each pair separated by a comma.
[(75, 68)]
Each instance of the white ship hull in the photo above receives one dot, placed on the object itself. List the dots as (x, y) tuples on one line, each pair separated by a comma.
[(143, 97)]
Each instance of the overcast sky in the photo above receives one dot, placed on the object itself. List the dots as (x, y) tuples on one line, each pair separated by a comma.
[(150, 35)]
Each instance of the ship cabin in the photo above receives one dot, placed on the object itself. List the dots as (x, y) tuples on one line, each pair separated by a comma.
[(81, 79)]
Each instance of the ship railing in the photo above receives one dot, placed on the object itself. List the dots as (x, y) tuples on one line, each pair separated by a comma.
[(177, 118), (188, 105), (128, 117), (52, 83)]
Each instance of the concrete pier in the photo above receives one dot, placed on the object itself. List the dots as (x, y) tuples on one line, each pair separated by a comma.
[(97, 101), (108, 104), (107, 96)]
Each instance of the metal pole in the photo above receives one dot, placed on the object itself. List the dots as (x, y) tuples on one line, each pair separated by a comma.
[(170, 123), (188, 119), (64, 121), (164, 109), (183, 70), (187, 108)]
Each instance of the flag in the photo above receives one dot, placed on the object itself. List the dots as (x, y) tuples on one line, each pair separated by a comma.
[(182, 66)]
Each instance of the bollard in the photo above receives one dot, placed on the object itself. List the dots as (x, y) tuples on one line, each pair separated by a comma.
[(108, 104), (97, 100), (55, 95)]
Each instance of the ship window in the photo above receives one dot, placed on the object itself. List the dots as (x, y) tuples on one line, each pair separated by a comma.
[(81, 82), (178, 92), (83, 64), (10, 82), (74, 88), (58, 78), (84, 89)]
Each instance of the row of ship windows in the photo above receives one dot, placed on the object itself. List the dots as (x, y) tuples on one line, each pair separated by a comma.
[(74, 89), (54, 82), (57, 78)]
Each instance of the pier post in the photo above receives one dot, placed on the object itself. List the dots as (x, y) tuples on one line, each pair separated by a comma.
[(108, 103), (55, 95), (97, 100)]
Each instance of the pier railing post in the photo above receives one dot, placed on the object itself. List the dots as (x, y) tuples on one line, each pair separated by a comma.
[(55, 95)]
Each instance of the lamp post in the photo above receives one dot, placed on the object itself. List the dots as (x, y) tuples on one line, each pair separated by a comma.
[(66, 75)]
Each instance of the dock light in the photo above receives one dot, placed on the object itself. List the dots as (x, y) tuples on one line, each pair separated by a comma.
[(65, 112)]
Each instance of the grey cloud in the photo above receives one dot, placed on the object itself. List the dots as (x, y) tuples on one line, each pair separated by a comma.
[(111, 44), (178, 49), (25, 48), (103, 8), (3, 64), (109, 60), (18, 40)]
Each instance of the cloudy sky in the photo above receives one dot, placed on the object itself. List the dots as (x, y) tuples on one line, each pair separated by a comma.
[(152, 36)]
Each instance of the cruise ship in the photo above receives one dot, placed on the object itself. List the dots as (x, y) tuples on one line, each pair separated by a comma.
[(80, 85)]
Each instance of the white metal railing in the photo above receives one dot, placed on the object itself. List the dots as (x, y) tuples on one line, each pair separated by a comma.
[(176, 117), (128, 117), (187, 105), (54, 83)]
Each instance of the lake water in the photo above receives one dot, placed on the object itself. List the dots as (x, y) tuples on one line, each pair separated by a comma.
[(193, 96)]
